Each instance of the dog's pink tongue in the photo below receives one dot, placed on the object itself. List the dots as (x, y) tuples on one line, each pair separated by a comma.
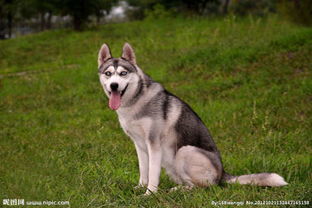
[(114, 100)]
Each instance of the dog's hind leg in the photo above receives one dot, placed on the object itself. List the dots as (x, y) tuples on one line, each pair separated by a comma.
[(198, 167)]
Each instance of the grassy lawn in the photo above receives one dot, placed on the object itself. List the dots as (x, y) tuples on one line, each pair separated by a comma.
[(248, 79)]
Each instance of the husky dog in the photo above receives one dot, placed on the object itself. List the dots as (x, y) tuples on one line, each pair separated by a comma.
[(165, 130)]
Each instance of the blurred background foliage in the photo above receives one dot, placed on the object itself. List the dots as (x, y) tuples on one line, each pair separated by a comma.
[(19, 17), (298, 11)]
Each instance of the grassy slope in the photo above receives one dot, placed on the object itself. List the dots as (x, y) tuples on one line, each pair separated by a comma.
[(248, 79)]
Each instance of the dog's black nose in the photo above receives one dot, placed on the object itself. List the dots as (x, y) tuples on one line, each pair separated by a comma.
[(114, 86)]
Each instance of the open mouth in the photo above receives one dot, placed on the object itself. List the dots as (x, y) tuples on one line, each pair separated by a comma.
[(122, 92), (115, 98)]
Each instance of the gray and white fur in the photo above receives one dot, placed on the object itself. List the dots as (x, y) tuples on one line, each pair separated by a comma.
[(165, 130)]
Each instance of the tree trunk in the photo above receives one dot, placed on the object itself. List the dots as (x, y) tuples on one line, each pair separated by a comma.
[(77, 22), (202, 7), (49, 23), (2, 28), (42, 21), (297, 4), (98, 19), (10, 23), (225, 8)]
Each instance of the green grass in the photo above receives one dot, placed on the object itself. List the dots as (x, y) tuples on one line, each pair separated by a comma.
[(248, 79)]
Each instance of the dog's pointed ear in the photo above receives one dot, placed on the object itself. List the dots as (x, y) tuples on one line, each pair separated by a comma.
[(104, 54), (128, 53)]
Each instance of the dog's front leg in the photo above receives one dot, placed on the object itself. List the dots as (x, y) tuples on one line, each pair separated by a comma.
[(154, 153), (143, 163)]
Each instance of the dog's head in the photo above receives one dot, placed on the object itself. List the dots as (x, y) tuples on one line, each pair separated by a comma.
[(118, 76)]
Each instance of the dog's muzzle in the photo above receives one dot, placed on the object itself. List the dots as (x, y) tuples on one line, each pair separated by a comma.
[(115, 96)]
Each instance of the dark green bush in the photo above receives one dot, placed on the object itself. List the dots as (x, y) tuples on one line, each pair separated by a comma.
[(298, 11), (247, 7)]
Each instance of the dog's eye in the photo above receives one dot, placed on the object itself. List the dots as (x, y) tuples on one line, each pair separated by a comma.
[(123, 73), (108, 73)]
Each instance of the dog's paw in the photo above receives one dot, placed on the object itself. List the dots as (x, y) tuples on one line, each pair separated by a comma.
[(181, 188), (139, 186), (147, 193), (150, 191), (175, 188)]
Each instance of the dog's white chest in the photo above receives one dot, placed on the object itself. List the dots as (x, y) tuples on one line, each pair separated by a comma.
[(136, 129)]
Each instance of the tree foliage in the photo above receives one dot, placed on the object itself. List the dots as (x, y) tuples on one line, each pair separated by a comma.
[(186, 6), (12, 11), (247, 7), (79, 10)]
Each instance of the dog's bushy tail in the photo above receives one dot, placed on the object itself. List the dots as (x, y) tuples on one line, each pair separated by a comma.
[(258, 179)]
